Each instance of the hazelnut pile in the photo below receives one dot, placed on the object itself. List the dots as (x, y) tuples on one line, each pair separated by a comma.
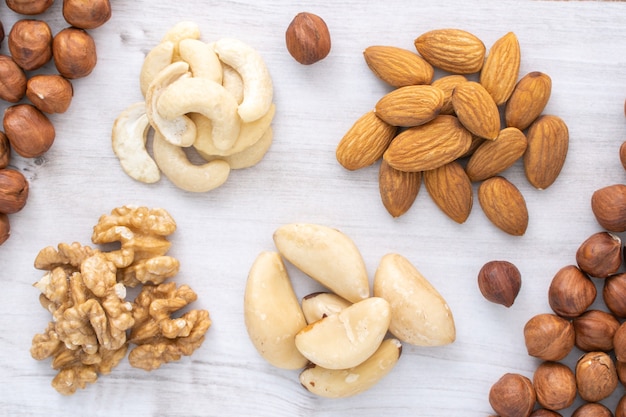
[(33, 95)]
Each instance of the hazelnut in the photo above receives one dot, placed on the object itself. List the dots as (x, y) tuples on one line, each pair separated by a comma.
[(620, 367), (549, 337), (86, 14), (29, 131), (619, 343), (74, 52), (308, 38), (620, 408), (50, 93), (1, 32), (499, 282), (614, 294), (595, 330), (592, 410), (30, 43), (600, 255), (512, 395), (596, 376), (542, 412), (5, 228), (12, 80), (555, 385), (13, 191), (609, 207), (571, 292), (622, 154), (5, 150), (29, 7)]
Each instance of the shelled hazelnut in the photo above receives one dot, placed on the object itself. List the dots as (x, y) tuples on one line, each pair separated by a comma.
[(592, 410), (86, 14), (512, 395), (596, 376), (29, 7), (12, 80), (29, 131), (30, 43), (571, 292), (74, 53), (13, 191), (549, 337), (307, 38), (50, 93), (5, 228), (5, 151), (499, 282), (542, 412), (614, 294), (620, 409), (595, 330), (600, 255), (555, 385)]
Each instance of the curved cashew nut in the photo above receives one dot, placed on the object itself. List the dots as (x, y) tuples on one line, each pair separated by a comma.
[(176, 166), (180, 31), (202, 60), (201, 95), (130, 132), (257, 83), (231, 80), (249, 134), (248, 157), (180, 130), (156, 61)]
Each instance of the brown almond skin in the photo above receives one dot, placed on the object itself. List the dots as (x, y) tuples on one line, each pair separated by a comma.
[(512, 395), (595, 330), (5, 150), (398, 189), (29, 131), (504, 205), (609, 207), (548, 143), (428, 146), (412, 105), (549, 337), (398, 67), (452, 50), (500, 282), (555, 385), (447, 84), (600, 255), (501, 69), (86, 14), (29, 7), (12, 80), (476, 110), (365, 142), (596, 376), (614, 294), (571, 292), (493, 157), (529, 98), (50, 93), (592, 410), (30, 43), (74, 52), (451, 190), (307, 38), (13, 191)]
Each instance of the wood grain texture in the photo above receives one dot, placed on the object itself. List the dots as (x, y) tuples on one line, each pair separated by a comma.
[(579, 44)]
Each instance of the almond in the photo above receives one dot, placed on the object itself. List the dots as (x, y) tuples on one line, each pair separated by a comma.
[(476, 110), (397, 66), (529, 98), (476, 142), (428, 146), (501, 68), (412, 105), (504, 205), (365, 142), (548, 141), (451, 189), (447, 84), (452, 50), (494, 156), (398, 189)]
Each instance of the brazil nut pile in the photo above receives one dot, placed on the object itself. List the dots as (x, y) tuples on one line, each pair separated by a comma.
[(339, 337), (215, 98)]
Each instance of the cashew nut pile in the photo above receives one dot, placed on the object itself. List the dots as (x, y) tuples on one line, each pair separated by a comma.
[(92, 324), (339, 337), (216, 98)]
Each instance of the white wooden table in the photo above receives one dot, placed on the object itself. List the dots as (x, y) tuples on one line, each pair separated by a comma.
[(581, 45)]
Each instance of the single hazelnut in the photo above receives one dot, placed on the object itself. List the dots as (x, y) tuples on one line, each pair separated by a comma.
[(74, 52), (512, 395), (549, 337), (5, 228), (499, 282), (596, 376), (619, 343), (620, 367), (614, 294), (592, 410), (29, 7), (571, 292), (542, 412), (86, 14), (12, 80), (30, 43), (1, 32), (50, 93), (600, 255), (13, 191), (595, 330), (29, 131), (308, 38), (620, 408), (609, 207), (555, 385), (5, 151), (622, 154)]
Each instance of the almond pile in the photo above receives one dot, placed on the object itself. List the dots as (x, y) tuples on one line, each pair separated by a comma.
[(467, 126)]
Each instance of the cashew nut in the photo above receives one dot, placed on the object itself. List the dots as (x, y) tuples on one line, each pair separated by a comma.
[(156, 61), (180, 131), (130, 132), (231, 80), (180, 31), (201, 95), (177, 168), (202, 60), (257, 83), (248, 157), (249, 134)]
